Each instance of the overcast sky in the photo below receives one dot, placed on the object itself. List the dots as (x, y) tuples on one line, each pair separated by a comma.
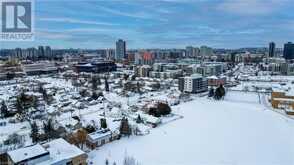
[(161, 24)]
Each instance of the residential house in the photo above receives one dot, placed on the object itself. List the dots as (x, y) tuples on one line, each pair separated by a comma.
[(55, 152), (101, 137)]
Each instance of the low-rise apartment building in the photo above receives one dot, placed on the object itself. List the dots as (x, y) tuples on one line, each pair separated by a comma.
[(193, 84)]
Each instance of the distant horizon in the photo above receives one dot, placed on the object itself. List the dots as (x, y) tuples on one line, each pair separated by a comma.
[(161, 24), (141, 48)]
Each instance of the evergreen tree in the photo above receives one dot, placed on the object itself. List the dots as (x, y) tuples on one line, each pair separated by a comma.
[(154, 112), (211, 92), (20, 103), (90, 128), (106, 85), (43, 91), (125, 128), (126, 77), (48, 129), (98, 81), (139, 119), (100, 94), (138, 87), (95, 96), (4, 109), (133, 78), (103, 123), (222, 91), (217, 94), (94, 81), (163, 108), (45, 96), (83, 92), (34, 132)]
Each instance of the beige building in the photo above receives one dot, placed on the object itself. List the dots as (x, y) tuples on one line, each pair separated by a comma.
[(280, 100)]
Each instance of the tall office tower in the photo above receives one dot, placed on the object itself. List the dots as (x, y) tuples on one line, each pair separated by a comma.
[(288, 51), (35, 53), (189, 51), (48, 52), (271, 51), (18, 53), (32, 53), (41, 52), (192, 52), (196, 52), (206, 51), (120, 51)]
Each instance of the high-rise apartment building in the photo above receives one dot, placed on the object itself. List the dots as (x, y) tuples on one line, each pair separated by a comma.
[(120, 51), (206, 51), (48, 52), (271, 51), (192, 51), (41, 52), (18, 53), (288, 51)]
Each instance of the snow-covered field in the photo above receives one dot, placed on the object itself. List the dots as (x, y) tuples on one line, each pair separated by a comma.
[(236, 131)]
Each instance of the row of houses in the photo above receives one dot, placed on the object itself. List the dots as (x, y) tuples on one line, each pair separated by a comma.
[(59, 151)]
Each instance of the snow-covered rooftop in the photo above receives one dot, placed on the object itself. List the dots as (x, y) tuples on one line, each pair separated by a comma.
[(27, 153), (61, 150), (99, 134)]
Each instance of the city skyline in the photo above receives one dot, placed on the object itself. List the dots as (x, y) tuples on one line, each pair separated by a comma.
[(161, 24)]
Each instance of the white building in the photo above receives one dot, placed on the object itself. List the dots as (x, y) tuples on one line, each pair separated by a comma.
[(56, 152), (143, 71), (193, 84), (28, 155)]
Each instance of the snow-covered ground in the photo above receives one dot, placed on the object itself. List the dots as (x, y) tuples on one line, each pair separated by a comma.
[(237, 130)]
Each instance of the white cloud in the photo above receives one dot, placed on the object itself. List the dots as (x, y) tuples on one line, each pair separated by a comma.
[(52, 35), (141, 14), (251, 7), (77, 21)]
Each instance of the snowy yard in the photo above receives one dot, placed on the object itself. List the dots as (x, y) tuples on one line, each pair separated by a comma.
[(237, 130)]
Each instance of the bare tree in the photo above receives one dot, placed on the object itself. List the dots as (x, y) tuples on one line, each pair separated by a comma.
[(129, 160)]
